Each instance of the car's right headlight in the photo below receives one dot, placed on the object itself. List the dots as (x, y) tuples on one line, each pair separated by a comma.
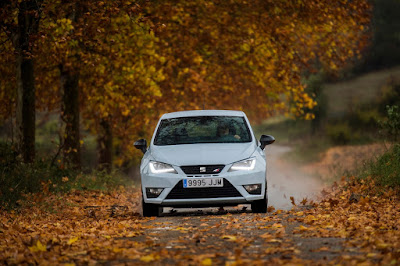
[(161, 168), (244, 165)]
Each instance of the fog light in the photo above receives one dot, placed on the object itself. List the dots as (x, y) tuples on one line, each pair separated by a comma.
[(253, 189), (153, 192)]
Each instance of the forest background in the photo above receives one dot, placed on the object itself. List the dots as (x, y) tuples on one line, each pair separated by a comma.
[(80, 81)]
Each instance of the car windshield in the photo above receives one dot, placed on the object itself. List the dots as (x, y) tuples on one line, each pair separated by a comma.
[(202, 129)]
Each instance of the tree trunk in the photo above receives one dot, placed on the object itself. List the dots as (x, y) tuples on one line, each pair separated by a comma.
[(69, 78), (104, 146), (27, 26), (70, 115)]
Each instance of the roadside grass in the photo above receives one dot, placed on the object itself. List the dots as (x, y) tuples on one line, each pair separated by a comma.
[(386, 170), (18, 179)]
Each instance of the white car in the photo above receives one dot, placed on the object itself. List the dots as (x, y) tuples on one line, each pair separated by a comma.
[(207, 158)]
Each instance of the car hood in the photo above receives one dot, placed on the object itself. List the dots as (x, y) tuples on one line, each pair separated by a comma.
[(202, 154)]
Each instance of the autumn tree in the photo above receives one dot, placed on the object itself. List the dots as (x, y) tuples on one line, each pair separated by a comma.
[(20, 24), (111, 52), (121, 64), (251, 55)]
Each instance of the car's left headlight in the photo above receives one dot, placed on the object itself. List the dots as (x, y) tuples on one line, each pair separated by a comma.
[(161, 168), (244, 165)]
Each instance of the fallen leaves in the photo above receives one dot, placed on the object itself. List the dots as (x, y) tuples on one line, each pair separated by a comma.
[(71, 234), (352, 211), (67, 232), (38, 247)]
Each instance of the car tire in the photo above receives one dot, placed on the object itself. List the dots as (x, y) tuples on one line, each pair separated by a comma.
[(151, 210), (260, 206)]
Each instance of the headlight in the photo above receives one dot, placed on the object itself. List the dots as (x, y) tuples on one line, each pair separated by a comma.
[(244, 165), (160, 168)]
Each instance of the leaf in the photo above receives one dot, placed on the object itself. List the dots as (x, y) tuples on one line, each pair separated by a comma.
[(38, 247), (325, 248), (206, 262), (302, 228), (72, 240), (277, 225), (304, 201), (310, 219), (149, 258), (229, 237), (266, 235), (274, 240), (292, 200)]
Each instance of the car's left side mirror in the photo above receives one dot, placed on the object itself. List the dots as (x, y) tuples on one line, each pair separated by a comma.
[(266, 140), (141, 144)]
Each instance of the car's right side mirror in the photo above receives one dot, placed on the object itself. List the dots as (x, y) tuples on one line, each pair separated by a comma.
[(141, 144), (266, 140)]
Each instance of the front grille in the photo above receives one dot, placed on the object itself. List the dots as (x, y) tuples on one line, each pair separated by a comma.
[(178, 192), (202, 169)]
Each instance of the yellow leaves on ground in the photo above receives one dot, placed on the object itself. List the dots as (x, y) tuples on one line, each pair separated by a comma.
[(206, 262), (149, 258), (38, 247), (92, 227), (229, 238), (72, 240), (300, 229), (80, 227), (351, 211)]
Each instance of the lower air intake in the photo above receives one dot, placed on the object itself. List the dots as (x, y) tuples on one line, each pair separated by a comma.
[(227, 191)]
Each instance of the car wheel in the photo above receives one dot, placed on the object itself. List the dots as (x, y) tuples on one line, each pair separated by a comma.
[(150, 210), (260, 206)]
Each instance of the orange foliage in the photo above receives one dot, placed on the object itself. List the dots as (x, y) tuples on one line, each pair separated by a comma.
[(136, 62)]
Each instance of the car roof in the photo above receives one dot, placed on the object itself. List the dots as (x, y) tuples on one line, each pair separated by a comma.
[(203, 113)]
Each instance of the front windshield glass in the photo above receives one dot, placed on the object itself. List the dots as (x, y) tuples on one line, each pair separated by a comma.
[(202, 129)]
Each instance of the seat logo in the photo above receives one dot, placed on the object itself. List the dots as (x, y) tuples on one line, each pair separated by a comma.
[(203, 169)]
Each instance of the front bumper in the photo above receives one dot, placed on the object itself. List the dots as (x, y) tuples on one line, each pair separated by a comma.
[(174, 195)]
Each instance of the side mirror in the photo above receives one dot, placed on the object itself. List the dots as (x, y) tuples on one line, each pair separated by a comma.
[(266, 140), (141, 144)]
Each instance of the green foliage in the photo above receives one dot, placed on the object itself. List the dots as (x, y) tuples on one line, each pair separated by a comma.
[(386, 170), (340, 133), (357, 127), (392, 124), (390, 96), (18, 179), (365, 118)]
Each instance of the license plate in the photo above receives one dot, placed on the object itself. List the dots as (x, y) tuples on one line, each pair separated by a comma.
[(203, 182)]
